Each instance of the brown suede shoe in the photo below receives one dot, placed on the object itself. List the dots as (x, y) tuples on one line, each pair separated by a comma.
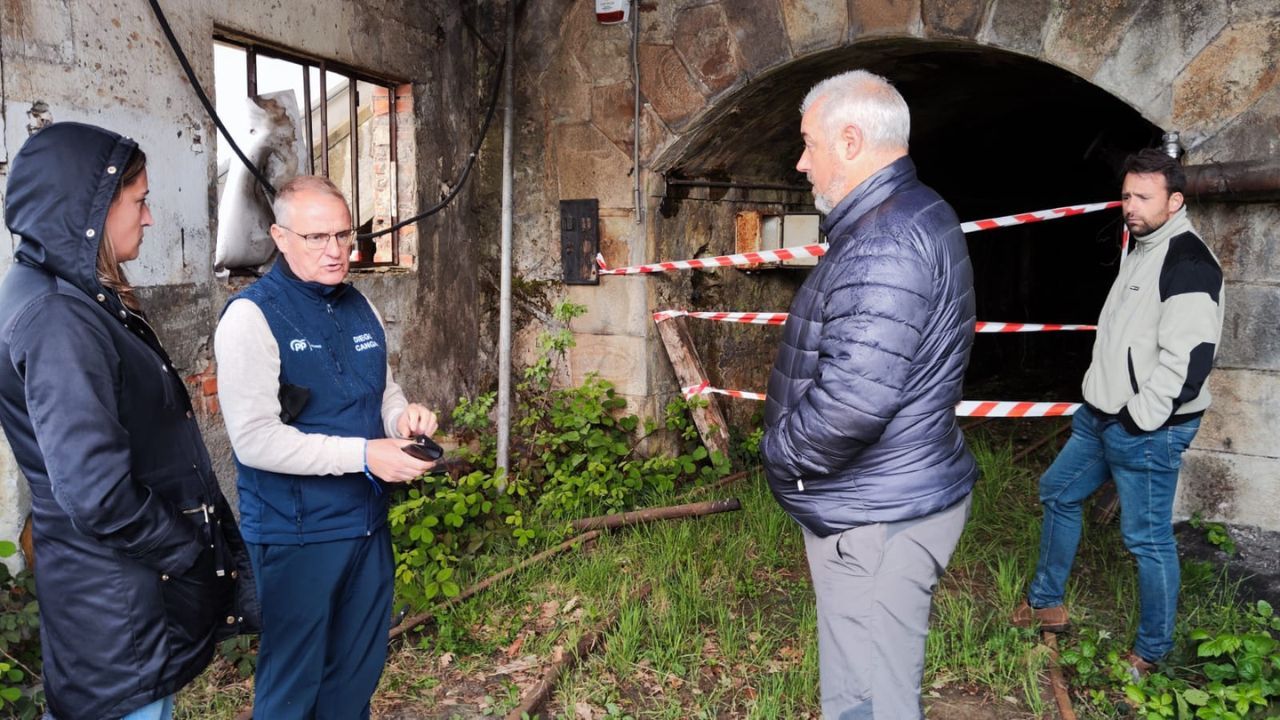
[(1051, 619), (1138, 668)]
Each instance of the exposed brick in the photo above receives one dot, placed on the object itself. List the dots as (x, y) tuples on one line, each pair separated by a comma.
[(209, 386)]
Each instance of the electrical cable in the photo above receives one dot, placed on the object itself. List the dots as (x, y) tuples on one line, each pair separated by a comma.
[(262, 180), (204, 99)]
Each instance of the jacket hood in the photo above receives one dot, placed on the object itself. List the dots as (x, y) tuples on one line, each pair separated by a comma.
[(60, 186)]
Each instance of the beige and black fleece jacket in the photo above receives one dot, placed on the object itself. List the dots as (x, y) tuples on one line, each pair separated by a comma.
[(1158, 331)]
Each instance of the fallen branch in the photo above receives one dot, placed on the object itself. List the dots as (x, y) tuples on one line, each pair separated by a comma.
[(635, 517), (533, 700), (411, 622), (1056, 681), (1040, 443), (726, 480)]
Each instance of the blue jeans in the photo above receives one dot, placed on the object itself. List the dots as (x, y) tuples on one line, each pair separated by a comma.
[(158, 710), (1145, 470)]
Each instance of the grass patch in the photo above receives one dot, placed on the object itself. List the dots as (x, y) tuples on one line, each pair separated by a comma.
[(729, 628)]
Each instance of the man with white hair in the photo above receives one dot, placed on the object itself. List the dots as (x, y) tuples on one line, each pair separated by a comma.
[(861, 444)]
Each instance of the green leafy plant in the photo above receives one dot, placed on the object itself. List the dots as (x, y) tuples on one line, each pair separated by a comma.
[(19, 641), (575, 452), (1215, 533), (241, 652), (1235, 674)]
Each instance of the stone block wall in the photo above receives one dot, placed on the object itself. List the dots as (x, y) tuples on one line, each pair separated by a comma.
[(1207, 68)]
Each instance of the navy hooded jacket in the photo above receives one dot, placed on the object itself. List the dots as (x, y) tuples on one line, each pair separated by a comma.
[(130, 526), (860, 423)]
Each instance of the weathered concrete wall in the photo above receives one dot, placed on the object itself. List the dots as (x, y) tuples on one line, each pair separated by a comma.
[(107, 63), (1205, 67)]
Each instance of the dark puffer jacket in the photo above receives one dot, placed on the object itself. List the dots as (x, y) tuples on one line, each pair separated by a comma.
[(131, 603), (860, 423)]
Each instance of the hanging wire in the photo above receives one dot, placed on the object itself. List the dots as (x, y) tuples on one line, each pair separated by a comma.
[(266, 184)]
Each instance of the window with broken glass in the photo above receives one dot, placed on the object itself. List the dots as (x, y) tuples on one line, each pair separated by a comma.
[(349, 123)]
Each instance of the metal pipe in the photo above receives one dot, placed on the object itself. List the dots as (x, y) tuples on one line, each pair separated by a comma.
[(635, 139), (504, 300), (1243, 181), (676, 182)]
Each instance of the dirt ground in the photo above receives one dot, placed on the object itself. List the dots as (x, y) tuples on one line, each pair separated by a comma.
[(1256, 563)]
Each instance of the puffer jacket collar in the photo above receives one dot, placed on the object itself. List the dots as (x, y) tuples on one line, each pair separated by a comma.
[(868, 195), (283, 275), (60, 187)]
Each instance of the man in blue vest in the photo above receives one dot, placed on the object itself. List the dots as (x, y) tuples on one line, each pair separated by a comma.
[(313, 415)]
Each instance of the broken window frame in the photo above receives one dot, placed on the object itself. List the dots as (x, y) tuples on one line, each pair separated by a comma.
[(752, 227), (254, 49)]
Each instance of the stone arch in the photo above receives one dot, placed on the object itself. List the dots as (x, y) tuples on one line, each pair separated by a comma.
[(1203, 67), (995, 132), (1198, 65)]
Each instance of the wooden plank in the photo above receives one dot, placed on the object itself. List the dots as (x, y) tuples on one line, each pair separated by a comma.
[(684, 358)]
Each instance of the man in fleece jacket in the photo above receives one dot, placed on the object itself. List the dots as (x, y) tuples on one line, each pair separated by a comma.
[(1144, 394)]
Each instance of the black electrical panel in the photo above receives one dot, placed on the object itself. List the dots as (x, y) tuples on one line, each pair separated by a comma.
[(579, 240)]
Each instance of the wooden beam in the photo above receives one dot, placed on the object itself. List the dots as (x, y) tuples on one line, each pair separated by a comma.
[(684, 358)]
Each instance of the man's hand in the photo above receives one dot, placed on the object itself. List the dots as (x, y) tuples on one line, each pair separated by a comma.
[(389, 463), (416, 420)]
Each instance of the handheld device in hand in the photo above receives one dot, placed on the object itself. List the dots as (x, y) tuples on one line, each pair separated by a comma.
[(424, 448)]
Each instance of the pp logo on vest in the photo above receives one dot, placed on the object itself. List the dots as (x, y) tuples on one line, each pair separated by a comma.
[(302, 344), (364, 342)]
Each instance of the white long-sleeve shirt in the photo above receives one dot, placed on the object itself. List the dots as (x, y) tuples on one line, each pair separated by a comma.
[(248, 391)]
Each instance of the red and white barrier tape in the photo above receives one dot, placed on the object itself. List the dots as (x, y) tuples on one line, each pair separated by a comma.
[(1037, 216), (705, 388), (754, 318), (1002, 327), (984, 408), (751, 258), (966, 408), (820, 249), (762, 318)]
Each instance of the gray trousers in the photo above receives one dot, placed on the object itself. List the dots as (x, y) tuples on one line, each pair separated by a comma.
[(874, 586)]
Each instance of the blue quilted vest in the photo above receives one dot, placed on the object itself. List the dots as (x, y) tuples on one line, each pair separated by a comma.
[(332, 344)]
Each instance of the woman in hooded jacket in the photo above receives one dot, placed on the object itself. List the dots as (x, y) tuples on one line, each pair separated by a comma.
[(139, 565)]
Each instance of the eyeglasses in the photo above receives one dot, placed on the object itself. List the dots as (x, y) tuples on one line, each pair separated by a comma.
[(320, 241)]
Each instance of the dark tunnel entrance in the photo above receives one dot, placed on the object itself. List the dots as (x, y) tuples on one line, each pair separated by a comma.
[(995, 133)]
